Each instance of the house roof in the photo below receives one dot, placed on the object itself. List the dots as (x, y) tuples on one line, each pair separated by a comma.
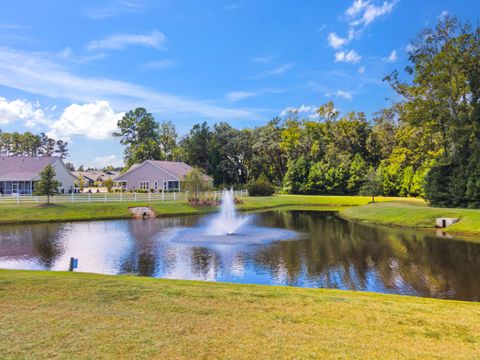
[(94, 175), (177, 169), (23, 168)]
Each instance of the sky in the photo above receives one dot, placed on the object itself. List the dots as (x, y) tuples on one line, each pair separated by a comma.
[(73, 68)]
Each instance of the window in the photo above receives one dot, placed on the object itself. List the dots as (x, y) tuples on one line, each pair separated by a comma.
[(155, 185), (173, 185), (144, 185)]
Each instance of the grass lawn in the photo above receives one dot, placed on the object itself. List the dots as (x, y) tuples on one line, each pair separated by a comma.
[(12, 213), (415, 215), (70, 315)]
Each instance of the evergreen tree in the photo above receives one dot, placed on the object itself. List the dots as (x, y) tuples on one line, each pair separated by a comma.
[(47, 185)]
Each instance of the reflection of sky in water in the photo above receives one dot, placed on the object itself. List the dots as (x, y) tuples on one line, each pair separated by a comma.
[(330, 253)]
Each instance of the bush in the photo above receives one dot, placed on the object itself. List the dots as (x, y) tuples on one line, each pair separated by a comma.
[(260, 187)]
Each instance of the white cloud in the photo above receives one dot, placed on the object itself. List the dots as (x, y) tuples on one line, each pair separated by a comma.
[(263, 59), (393, 57), (305, 109), (104, 161), (115, 8), (159, 64), (357, 7), (364, 12), (279, 70), (41, 75), (336, 41), (231, 7), (10, 27), (361, 70), (347, 56), (94, 121), (344, 94), (234, 96), (21, 110), (119, 41), (410, 48), (443, 15)]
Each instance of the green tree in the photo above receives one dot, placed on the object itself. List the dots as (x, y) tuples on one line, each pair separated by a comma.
[(295, 181), (108, 183), (70, 166), (197, 145), (62, 149), (139, 133), (167, 137), (194, 183), (47, 185), (372, 185), (441, 109)]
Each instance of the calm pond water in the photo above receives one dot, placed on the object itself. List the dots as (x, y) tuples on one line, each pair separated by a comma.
[(328, 252)]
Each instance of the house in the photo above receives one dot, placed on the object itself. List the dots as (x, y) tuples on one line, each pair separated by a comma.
[(90, 178), (156, 176), (19, 174)]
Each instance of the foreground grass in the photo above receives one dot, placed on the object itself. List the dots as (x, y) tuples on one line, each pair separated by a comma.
[(26, 213), (68, 315), (415, 216)]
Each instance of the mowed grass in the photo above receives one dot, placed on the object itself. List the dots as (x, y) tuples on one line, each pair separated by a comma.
[(415, 216), (26, 213), (70, 315)]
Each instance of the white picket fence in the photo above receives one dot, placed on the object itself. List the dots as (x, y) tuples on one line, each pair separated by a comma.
[(109, 197)]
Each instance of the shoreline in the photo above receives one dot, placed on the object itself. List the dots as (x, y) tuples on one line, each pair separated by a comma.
[(391, 212)]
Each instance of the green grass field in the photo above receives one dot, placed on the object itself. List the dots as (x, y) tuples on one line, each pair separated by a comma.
[(25, 213), (69, 315), (415, 215)]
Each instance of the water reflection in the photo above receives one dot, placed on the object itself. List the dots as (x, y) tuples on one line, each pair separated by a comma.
[(334, 253)]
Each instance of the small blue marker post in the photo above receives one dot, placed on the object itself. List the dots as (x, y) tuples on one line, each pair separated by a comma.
[(73, 264)]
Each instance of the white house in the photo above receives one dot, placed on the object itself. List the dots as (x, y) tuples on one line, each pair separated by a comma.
[(19, 174), (157, 176)]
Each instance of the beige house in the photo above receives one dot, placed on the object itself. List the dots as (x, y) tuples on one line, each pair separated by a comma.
[(157, 176), (19, 174)]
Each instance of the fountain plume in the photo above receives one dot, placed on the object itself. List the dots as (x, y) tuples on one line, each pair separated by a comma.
[(227, 222)]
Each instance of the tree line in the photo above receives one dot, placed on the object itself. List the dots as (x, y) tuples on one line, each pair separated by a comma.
[(425, 144), (28, 144)]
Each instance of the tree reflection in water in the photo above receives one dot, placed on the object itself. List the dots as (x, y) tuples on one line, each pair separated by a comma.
[(331, 253)]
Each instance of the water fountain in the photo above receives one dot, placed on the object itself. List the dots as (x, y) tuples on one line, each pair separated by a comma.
[(229, 228), (227, 222)]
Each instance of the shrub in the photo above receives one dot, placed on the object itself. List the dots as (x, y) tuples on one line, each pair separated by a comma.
[(260, 187)]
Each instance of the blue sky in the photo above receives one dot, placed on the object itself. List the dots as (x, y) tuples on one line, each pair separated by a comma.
[(71, 68)]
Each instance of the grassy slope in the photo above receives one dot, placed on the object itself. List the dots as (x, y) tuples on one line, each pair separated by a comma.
[(51, 314), (417, 216), (10, 213)]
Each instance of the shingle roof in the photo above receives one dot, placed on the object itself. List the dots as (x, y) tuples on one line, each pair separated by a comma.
[(23, 168), (176, 168)]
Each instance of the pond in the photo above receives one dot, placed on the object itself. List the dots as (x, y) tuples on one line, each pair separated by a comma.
[(313, 249)]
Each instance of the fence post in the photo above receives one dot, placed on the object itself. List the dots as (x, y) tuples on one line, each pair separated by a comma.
[(174, 196), (149, 196), (89, 197), (121, 195), (72, 197), (105, 198), (163, 195), (36, 199), (135, 197), (18, 198)]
